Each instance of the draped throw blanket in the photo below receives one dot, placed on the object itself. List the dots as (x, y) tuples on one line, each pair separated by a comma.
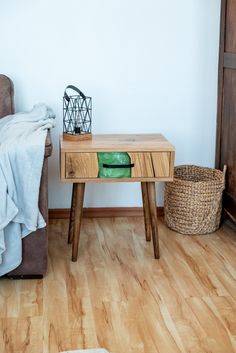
[(22, 144)]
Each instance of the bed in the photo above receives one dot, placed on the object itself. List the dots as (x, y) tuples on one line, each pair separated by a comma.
[(35, 245)]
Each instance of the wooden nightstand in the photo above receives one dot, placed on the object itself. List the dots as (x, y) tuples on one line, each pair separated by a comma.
[(151, 159)]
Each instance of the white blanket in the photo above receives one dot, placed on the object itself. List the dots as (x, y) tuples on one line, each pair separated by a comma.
[(22, 144)]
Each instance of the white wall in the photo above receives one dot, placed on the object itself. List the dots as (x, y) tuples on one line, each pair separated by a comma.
[(150, 66)]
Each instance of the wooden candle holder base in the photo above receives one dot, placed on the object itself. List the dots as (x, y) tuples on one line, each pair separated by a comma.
[(77, 137)]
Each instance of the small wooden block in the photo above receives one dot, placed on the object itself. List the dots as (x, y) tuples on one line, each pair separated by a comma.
[(76, 137)]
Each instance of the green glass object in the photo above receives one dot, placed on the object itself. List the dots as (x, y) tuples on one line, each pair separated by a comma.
[(111, 160)]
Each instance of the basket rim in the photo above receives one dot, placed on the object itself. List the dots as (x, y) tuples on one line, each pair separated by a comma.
[(196, 182), (182, 166), (219, 173)]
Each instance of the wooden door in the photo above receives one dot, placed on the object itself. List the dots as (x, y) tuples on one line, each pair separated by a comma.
[(226, 121)]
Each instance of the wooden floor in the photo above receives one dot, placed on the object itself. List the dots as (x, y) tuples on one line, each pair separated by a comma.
[(118, 297)]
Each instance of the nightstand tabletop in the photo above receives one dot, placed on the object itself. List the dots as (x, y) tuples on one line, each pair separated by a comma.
[(119, 143)]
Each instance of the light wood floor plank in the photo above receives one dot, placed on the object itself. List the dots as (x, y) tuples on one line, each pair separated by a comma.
[(117, 296), (218, 339), (22, 335), (226, 308)]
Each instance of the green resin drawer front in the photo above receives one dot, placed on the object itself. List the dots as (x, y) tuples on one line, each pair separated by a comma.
[(114, 165)]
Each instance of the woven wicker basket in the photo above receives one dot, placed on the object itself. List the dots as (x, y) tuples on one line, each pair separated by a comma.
[(193, 201)]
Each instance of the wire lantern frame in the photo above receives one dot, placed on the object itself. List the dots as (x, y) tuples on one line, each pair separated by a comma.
[(77, 115)]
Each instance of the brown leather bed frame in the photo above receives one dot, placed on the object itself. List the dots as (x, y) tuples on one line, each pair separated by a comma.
[(35, 245)]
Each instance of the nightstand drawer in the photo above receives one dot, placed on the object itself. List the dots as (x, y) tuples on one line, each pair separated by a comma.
[(117, 165)]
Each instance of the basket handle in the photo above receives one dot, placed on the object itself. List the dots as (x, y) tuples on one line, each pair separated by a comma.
[(224, 172), (75, 89)]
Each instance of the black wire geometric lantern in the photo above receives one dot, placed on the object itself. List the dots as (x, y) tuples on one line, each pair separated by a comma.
[(77, 115)]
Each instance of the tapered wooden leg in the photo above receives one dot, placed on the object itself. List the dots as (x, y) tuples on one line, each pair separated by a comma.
[(153, 212), (72, 216), (146, 211), (79, 199)]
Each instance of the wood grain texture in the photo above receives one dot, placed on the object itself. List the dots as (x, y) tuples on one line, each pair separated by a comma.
[(230, 38), (142, 165), (172, 164), (119, 143), (76, 137), (118, 297), (62, 165), (81, 165), (146, 212), (230, 60), (78, 210), (116, 180), (228, 143), (161, 164), (226, 121), (102, 212), (146, 165), (230, 206), (151, 154), (220, 82), (72, 215), (151, 190)]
